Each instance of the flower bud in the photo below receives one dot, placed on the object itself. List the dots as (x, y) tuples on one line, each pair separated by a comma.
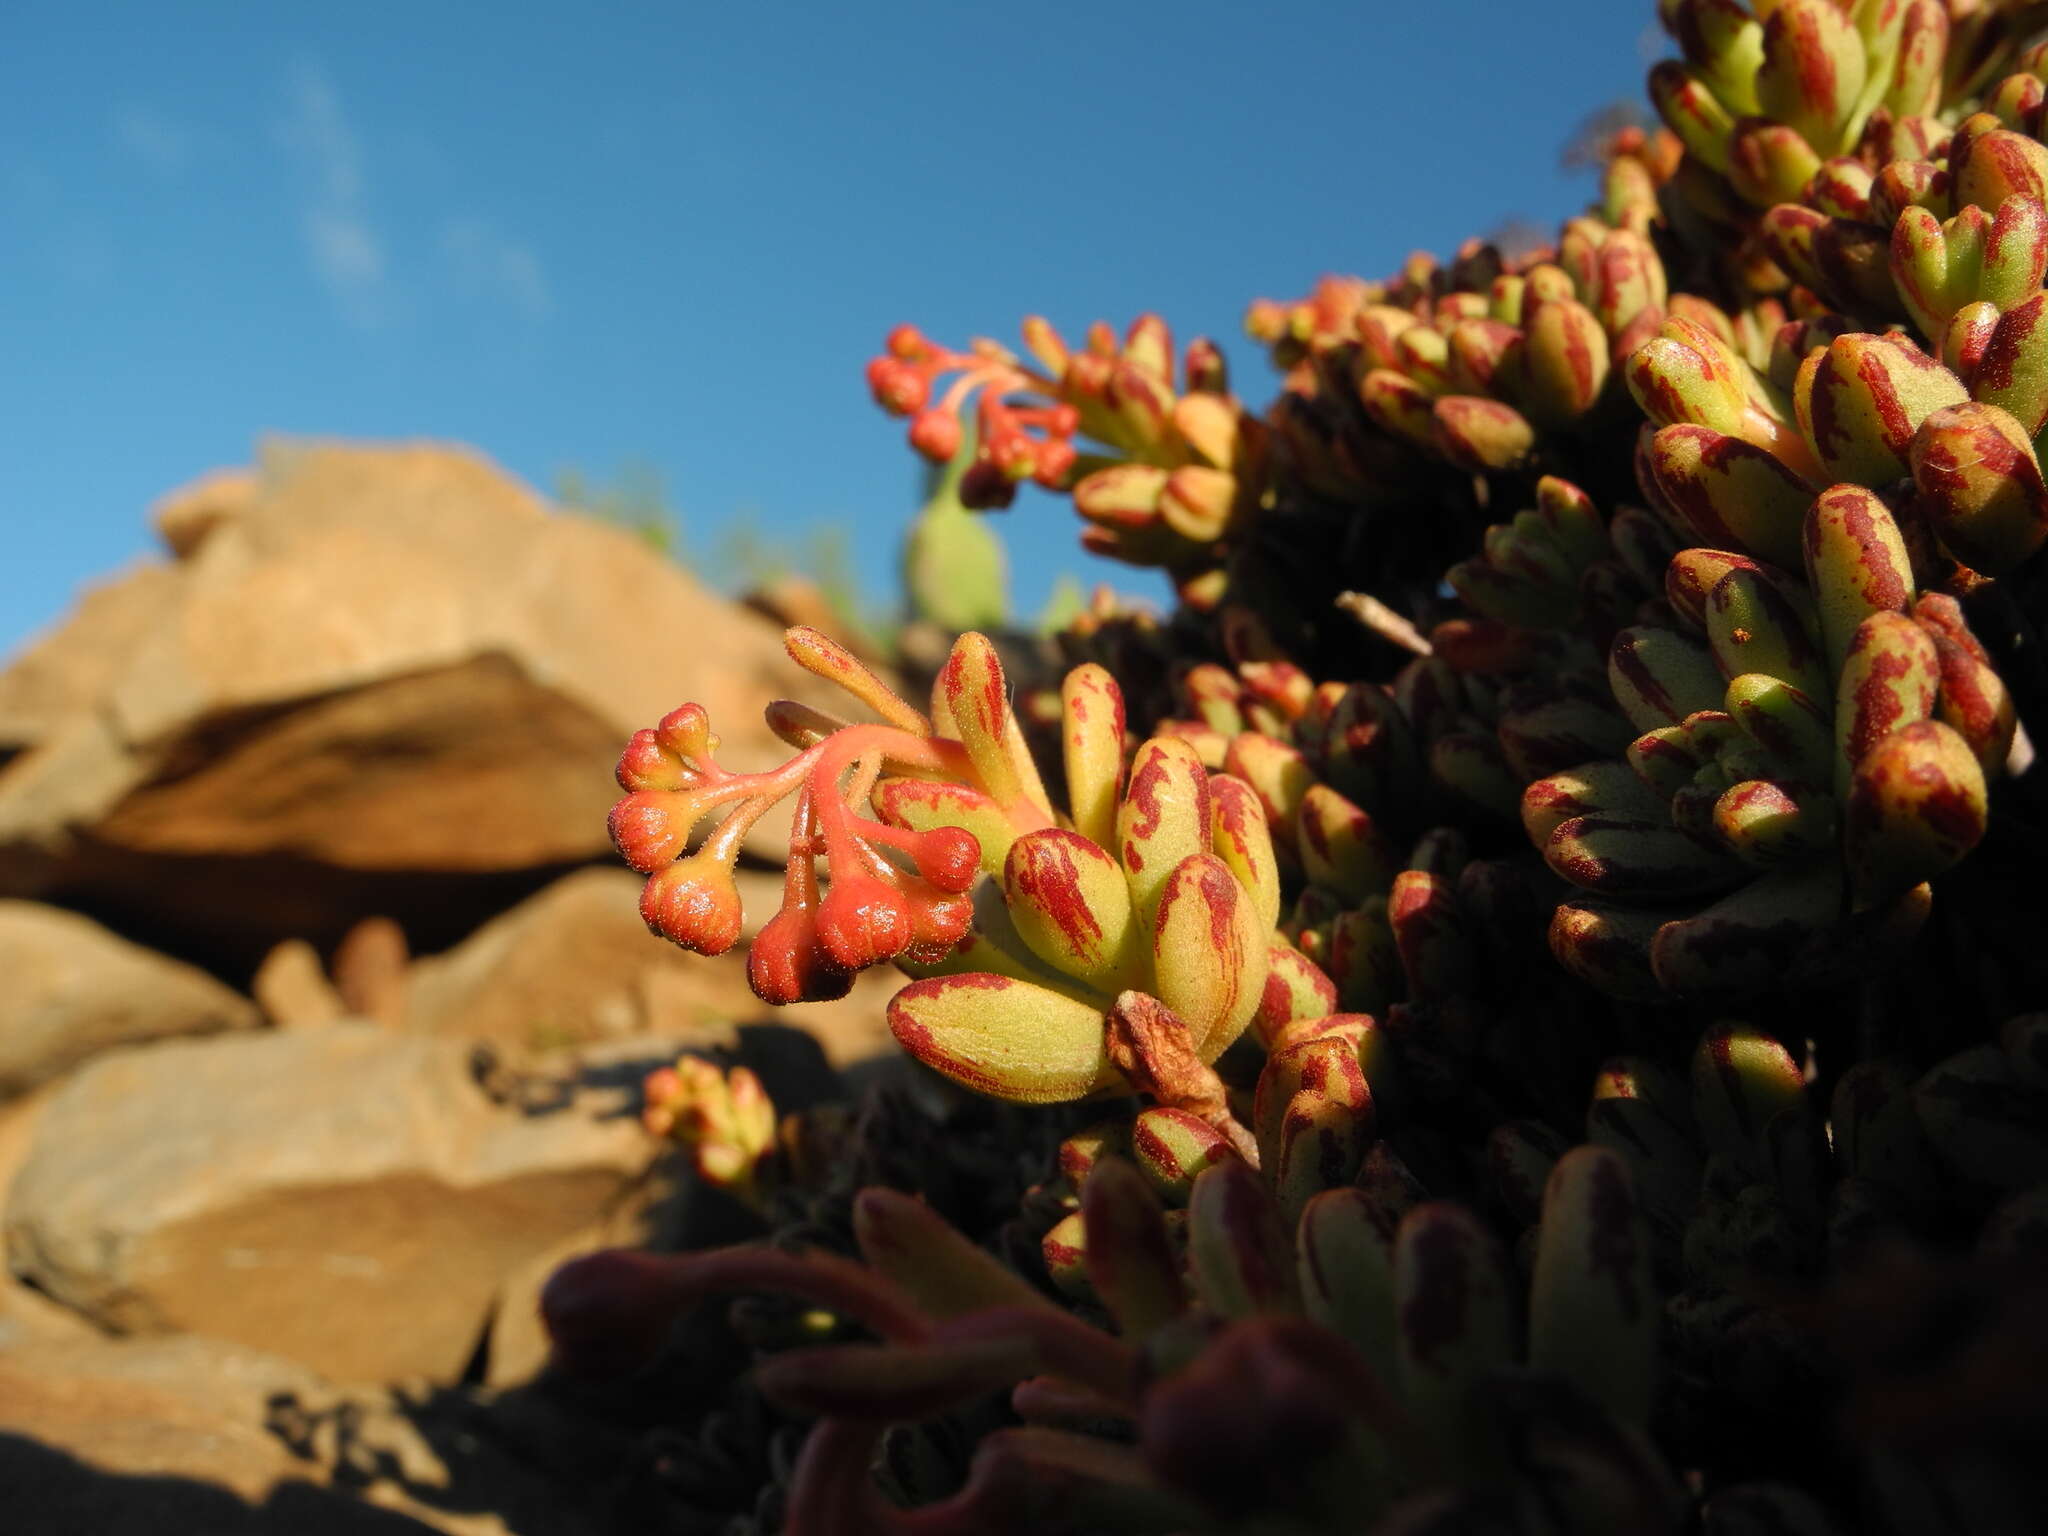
[(862, 920), (936, 434), (651, 828), (786, 964), (695, 903), (898, 388)]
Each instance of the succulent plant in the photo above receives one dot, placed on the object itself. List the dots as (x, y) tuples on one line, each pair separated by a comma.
[(1586, 644), (1362, 1361)]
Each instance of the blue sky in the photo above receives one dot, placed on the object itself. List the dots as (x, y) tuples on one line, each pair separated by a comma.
[(671, 235)]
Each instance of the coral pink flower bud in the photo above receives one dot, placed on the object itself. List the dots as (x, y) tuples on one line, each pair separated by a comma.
[(907, 341), (936, 434), (647, 830), (938, 922), (686, 731), (898, 388), (658, 1093), (949, 857), (1055, 463), (647, 764), (863, 920), (1014, 452), (787, 964), (695, 903)]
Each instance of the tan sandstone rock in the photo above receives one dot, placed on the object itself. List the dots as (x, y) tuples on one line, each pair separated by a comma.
[(575, 963), (348, 1197), (370, 971), (187, 515), (169, 1436), (27, 1315), (62, 672), (387, 679), (70, 989), (292, 989)]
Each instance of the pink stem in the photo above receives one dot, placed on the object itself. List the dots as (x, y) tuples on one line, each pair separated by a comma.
[(937, 754)]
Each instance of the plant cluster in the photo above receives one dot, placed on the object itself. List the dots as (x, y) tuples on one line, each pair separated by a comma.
[(1546, 940)]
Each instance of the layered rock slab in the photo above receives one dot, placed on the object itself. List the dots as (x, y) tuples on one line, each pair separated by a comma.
[(69, 989), (377, 679), (347, 1197)]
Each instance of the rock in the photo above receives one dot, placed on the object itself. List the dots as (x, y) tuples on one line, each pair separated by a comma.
[(369, 971), (569, 964), (188, 1434), (518, 1339), (26, 1314), (292, 989), (185, 1406), (72, 989), (66, 670), (389, 680), (348, 1197), (187, 515), (575, 963)]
